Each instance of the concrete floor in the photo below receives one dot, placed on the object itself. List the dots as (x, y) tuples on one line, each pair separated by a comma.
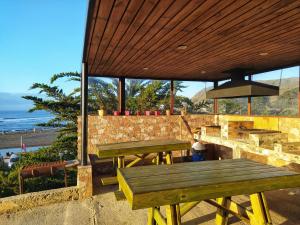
[(105, 210)]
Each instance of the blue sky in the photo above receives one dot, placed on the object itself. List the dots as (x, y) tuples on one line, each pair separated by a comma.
[(40, 38)]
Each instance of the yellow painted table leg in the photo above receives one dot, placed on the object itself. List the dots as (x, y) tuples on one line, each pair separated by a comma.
[(222, 215), (159, 158), (261, 215), (173, 215), (169, 159), (121, 164), (151, 220)]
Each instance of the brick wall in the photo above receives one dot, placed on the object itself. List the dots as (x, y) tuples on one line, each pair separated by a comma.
[(111, 129)]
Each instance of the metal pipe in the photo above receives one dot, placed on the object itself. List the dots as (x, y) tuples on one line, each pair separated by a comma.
[(172, 100), (215, 99), (249, 108), (121, 95), (84, 113)]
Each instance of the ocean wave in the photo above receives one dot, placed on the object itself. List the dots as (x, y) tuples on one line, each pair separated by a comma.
[(25, 119)]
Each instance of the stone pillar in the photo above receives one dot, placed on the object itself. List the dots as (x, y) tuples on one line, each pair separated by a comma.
[(85, 181)]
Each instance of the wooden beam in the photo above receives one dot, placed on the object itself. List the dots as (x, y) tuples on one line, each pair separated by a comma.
[(121, 95), (84, 113), (249, 100), (215, 99), (172, 97)]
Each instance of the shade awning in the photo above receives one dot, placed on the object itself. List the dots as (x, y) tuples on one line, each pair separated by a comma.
[(190, 40)]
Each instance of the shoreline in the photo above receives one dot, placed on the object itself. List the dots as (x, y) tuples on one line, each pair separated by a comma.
[(30, 138)]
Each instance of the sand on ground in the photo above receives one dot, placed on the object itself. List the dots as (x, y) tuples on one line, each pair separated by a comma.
[(38, 138)]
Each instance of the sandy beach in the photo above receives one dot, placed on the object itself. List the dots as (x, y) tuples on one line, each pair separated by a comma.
[(31, 139)]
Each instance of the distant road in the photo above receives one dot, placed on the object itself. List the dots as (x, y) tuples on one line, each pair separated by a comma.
[(40, 138)]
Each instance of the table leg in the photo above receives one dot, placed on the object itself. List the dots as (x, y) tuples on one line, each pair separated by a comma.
[(151, 220), (159, 158), (121, 164), (169, 159), (260, 210), (222, 215), (173, 215)]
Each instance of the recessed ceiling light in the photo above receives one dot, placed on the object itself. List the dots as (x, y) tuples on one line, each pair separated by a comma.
[(263, 53), (182, 47), (203, 71), (145, 68)]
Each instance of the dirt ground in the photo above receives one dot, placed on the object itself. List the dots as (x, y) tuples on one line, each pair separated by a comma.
[(103, 209), (39, 138)]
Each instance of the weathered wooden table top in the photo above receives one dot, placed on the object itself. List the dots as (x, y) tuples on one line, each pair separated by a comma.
[(151, 186), (141, 147)]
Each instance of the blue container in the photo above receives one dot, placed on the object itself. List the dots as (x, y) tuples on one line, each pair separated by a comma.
[(197, 156)]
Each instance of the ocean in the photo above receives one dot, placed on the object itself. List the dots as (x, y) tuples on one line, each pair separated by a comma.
[(18, 121)]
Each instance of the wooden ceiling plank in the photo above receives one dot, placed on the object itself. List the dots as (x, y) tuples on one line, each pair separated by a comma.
[(206, 56), (161, 24), (92, 26), (116, 15), (130, 14), (233, 62), (138, 21), (105, 8), (216, 44), (115, 50), (197, 15), (237, 62), (219, 45), (275, 37), (257, 49), (126, 48), (206, 30)]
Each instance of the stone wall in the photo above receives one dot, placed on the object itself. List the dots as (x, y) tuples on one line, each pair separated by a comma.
[(34, 199), (111, 129), (288, 125)]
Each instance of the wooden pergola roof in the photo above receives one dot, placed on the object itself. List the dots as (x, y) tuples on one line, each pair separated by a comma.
[(190, 40)]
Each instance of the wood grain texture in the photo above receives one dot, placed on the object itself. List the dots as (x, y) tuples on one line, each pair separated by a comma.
[(151, 186), (141, 147), (126, 36)]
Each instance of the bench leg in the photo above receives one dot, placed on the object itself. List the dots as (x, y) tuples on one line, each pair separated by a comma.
[(173, 215), (261, 215), (121, 162), (222, 215)]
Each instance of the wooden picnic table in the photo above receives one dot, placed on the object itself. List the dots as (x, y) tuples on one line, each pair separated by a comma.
[(140, 149), (210, 181)]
